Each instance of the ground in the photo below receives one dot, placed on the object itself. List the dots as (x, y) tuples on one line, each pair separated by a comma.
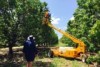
[(41, 60)]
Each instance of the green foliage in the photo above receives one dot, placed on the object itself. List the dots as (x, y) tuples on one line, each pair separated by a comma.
[(86, 24), (90, 59), (21, 18), (94, 58), (8, 22)]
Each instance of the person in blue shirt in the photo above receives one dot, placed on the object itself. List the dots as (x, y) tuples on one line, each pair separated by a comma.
[(29, 50)]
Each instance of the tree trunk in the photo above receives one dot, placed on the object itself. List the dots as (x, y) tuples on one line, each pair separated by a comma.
[(10, 54)]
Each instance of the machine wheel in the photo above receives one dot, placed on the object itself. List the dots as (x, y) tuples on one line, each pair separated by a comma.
[(50, 54), (83, 57)]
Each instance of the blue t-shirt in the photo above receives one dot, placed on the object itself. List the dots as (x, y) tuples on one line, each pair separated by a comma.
[(29, 47)]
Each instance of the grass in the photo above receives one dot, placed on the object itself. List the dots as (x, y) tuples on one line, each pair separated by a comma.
[(62, 62), (58, 62), (78, 64), (47, 62), (43, 61)]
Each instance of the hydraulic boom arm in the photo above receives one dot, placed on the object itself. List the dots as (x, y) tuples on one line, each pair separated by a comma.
[(81, 45)]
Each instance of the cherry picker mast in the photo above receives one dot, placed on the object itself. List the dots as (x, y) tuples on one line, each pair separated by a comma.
[(79, 51), (81, 46)]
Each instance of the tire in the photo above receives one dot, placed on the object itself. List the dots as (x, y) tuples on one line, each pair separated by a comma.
[(50, 54)]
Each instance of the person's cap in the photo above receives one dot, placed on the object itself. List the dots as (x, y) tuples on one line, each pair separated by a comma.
[(30, 35)]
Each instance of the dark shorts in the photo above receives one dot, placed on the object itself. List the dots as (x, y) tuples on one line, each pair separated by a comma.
[(29, 57)]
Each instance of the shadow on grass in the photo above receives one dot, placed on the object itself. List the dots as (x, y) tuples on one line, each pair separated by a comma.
[(22, 64), (42, 64), (72, 59), (19, 61), (16, 61), (10, 64)]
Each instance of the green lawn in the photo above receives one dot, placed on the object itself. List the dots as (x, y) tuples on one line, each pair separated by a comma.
[(57, 62), (62, 62)]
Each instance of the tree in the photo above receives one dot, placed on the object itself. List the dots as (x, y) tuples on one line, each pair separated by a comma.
[(85, 19), (9, 23), (20, 18)]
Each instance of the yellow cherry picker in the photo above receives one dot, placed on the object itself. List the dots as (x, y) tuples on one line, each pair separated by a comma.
[(67, 52)]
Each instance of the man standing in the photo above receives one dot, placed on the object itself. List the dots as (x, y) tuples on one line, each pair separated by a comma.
[(29, 50)]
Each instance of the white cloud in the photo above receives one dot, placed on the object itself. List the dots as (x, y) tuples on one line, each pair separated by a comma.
[(72, 18), (55, 20)]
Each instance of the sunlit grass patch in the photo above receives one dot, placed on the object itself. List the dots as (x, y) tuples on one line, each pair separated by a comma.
[(62, 62), (76, 63), (58, 62)]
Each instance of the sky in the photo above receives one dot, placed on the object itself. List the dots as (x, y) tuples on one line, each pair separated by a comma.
[(61, 12)]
